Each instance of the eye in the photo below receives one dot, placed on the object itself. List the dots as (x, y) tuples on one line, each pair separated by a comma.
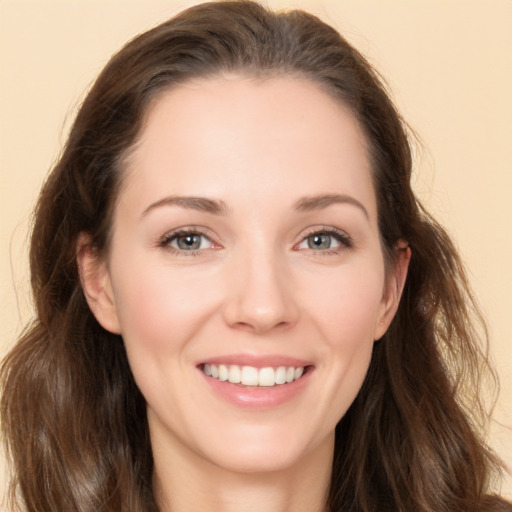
[(325, 240), (190, 242), (186, 241), (321, 241)]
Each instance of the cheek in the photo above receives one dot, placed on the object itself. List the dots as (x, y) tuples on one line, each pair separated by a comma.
[(347, 313), (159, 309), (349, 305), (161, 312)]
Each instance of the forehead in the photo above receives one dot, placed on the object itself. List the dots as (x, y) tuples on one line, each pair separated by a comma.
[(251, 138)]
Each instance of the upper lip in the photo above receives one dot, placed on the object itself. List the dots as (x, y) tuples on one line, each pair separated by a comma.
[(257, 361)]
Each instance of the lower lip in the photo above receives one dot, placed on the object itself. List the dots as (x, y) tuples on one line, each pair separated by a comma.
[(258, 397)]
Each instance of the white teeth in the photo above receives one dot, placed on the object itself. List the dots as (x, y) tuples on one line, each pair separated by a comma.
[(235, 374), (223, 372), (251, 376), (267, 377), (281, 375)]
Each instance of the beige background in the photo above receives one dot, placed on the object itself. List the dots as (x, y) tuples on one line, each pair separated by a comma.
[(448, 63)]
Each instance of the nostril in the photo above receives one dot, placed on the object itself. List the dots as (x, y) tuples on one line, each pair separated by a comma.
[(260, 304), (261, 327), (243, 326)]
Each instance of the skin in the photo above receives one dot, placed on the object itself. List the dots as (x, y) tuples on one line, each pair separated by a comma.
[(256, 286)]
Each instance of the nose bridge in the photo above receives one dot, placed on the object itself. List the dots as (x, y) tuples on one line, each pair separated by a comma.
[(260, 299)]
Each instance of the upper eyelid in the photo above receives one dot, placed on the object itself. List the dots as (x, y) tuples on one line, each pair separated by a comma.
[(343, 237), (323, 229), (187, 230), (194, 230)]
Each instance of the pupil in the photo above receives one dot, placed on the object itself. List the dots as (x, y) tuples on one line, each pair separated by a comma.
[(189, 242), (319, 242)]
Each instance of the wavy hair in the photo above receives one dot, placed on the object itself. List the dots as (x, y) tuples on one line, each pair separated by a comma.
[(73, 418)]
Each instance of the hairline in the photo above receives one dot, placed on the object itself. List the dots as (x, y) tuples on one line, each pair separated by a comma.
[(122, 167)]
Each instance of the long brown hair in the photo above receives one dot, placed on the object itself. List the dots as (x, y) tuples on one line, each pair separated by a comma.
[(73, 418)]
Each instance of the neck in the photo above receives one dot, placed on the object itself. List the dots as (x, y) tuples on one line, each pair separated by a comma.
[(191, 484)]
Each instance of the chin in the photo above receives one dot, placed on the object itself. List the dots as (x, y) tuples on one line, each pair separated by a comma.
[(265, 451), (256, 461)]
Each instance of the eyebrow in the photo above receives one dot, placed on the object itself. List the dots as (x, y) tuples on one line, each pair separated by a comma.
[(201, 204), (318, 202), (217, 207)]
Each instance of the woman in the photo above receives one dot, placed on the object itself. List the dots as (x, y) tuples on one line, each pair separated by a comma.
[(240, 303)]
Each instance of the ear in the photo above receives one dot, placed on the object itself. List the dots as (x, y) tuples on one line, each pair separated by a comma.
[(95, 279), (394, 288)]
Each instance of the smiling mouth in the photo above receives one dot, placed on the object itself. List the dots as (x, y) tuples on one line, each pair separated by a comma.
[(251, 376)]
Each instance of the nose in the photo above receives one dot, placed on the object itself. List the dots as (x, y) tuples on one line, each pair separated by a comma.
[(260, 298)]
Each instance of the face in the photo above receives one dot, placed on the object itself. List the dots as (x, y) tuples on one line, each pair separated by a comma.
[(245, 272)]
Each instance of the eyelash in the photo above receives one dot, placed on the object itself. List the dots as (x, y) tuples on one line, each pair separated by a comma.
[(341, 237), (165, 241)]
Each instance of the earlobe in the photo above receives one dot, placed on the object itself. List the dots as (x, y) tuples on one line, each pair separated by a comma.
[(394, 288), (95, 280)]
